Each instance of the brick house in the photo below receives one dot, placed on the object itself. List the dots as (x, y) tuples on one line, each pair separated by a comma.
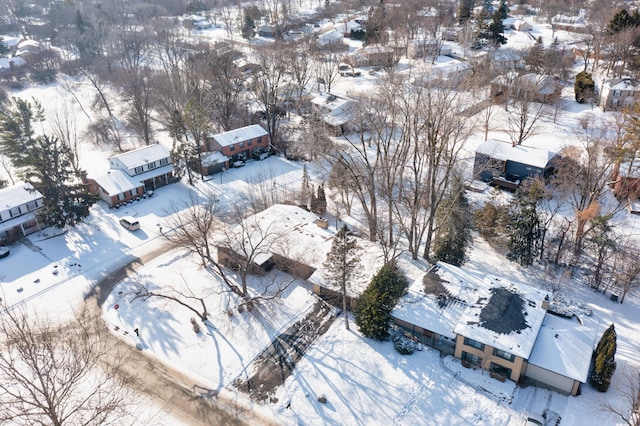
[(239, 144), (19, 205)]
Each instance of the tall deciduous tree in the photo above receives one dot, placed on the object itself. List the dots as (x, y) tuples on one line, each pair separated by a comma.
[(605, 364), (60, 375), (341, 265)]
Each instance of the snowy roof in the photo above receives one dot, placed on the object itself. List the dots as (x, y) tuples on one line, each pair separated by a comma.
[(294, 234), (623, 84), (213, 158), (5, 63), (16, 221), (10, 41), (504, 315), (630, 169), (450, 301), (564, 347), (18, 195), (240, 135), (142, 156), (505, 151), (116, 182), (330, 101)]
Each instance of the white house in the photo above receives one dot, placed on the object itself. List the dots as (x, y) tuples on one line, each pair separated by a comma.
[(330, 37), (19, 205), (333, 110), (132, 174), (619, 93)]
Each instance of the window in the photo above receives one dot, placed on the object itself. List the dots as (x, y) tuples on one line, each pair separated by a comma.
[(504, 355), (249, 142), (164, 161), (120, 196), (32, 205), (231, 147), (151, 165), (473, 343), (500, 370), (15, 212), (138, 170), (241, 145), (473, 359)]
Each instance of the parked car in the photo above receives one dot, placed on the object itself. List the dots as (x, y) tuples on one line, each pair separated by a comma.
[(534, 420), (4, 251), (129, 222)]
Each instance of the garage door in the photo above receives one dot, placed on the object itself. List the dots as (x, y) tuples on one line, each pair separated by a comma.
[(549, 378)]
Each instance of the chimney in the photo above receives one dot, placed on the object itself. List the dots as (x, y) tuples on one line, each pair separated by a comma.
[(545, 303)]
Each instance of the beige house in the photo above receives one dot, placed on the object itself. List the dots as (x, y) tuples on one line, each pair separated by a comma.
[(619, 93), (496, 325)]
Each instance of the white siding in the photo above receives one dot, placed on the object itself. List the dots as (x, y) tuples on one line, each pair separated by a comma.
[(549, 378)]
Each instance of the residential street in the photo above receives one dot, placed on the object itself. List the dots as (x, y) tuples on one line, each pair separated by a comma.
[(174, 392)]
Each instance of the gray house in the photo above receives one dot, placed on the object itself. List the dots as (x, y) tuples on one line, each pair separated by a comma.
[(506, 165)]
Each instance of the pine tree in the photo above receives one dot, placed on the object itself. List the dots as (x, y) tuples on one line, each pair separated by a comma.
[(605, 364), (584, 87), (341, 265), (464, 11), (525, 230), (321, 201), (304, 190), (248, 26), (374, 306), (454, 227), (496, 29), (44, 162), (4, 49)]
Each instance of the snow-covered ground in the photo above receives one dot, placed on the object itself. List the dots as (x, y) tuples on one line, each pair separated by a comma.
[(364, 382)]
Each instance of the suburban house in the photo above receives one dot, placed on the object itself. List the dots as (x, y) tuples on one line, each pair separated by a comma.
[(619, 93), (626, 184), (496, 325), (536, 87), (575, 24), (213, 162), (329, 37), (19, 205), (507, 165), (133, 175), (293, 240), (516, 24), (240, 144), (197, 22), (334, 111), (427, 48), (375, 56)]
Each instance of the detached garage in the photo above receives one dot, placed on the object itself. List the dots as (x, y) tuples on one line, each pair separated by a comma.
[(561, 355)]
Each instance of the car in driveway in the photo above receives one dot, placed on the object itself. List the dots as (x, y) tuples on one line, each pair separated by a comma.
[(129, 222), (534, 420)]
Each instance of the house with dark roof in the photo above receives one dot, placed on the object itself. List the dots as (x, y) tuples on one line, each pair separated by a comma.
[(507, 165), (133, 174), (497, 325), (19, 205)]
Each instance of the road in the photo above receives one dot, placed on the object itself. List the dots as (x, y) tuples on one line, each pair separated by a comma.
[(179, 395)]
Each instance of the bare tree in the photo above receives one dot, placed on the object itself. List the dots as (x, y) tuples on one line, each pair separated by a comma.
[(626, 270), (60, 374), (629, 410), (527, 110), (267, 85)]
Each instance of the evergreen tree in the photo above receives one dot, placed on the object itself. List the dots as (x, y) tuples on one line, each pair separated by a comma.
[(304, 191), (503, 10), (341, 265), (464, 11), (496, 29), (320, 201), (374, 306), (525, 230), (454, 218), (4, 49), (376, 25), (584, 87), (44, 162), (248, 25), (605, 364), (535, 57)]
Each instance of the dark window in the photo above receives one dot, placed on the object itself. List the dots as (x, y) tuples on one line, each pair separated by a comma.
[(504, 355), (474, 343), (231, 147), (473, 359)]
